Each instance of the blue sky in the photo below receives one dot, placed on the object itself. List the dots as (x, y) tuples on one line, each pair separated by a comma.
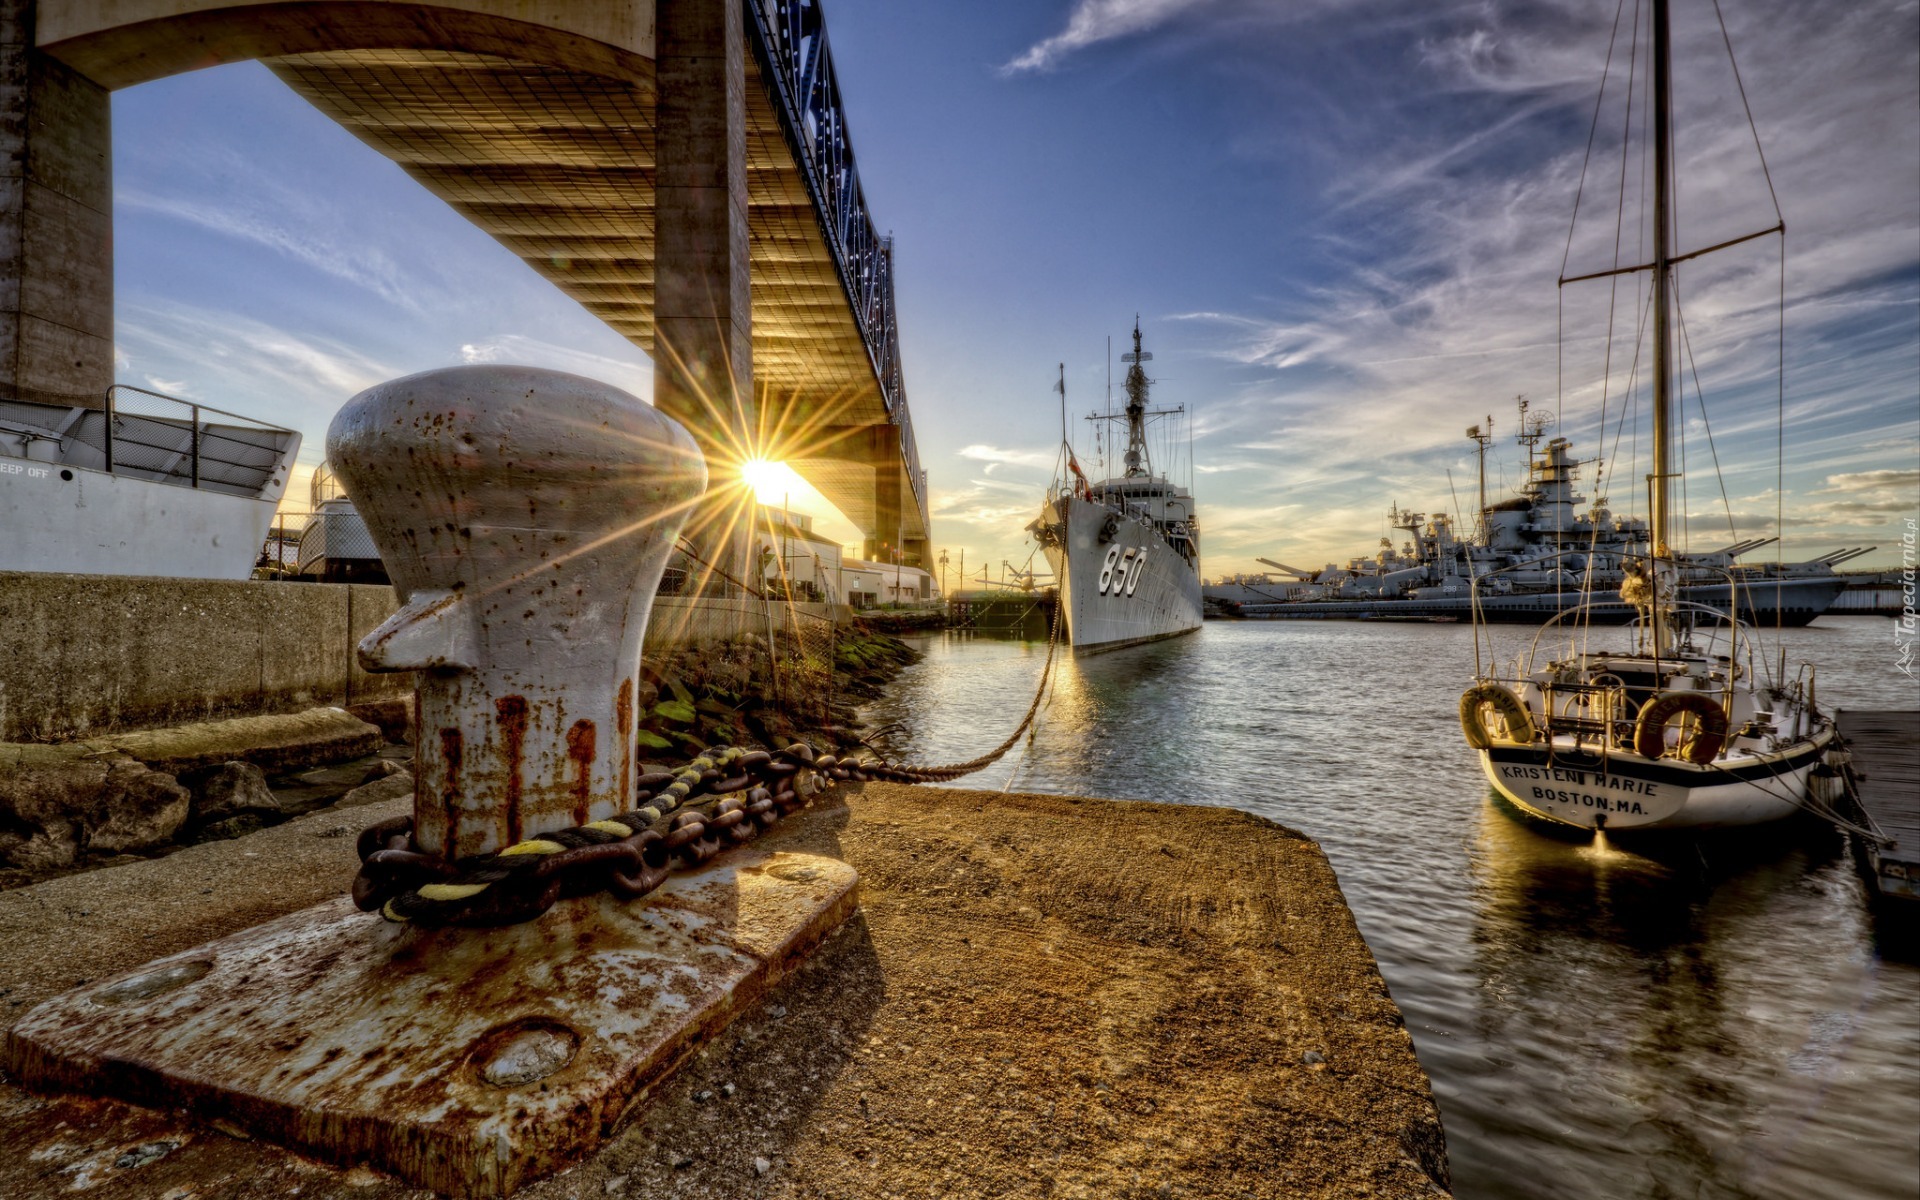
[(1339, 221)]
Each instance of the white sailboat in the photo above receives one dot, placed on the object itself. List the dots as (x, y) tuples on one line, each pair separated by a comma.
[(1681, 727), (1125, 550)]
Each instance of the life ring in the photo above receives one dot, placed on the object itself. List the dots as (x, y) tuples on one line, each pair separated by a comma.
[(1505, 704), (1650, 731)]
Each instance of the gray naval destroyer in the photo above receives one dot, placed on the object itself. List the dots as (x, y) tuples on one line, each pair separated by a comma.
[(1535, 554), (1126, 550)]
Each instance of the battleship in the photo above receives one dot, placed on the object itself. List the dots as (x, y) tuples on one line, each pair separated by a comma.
[(1125, 550), (1534, 554)]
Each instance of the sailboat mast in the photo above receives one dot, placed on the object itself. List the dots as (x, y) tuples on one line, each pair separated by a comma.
[(1662, 251), (1662, 339)]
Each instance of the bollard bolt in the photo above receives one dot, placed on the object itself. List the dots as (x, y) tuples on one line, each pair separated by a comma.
[(525, 517)]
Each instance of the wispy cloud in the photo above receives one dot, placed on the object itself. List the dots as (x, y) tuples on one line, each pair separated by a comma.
[(247, 366), (1095, 21), (634, 374), (289, 224), (1440, 302), (1041, 460)]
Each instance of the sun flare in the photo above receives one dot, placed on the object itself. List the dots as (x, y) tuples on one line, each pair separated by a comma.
[(771, 481)]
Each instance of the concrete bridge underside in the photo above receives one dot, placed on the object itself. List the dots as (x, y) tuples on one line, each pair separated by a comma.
[(541, 124)]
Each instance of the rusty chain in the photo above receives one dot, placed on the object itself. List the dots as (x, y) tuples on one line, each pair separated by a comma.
[(725, 797)]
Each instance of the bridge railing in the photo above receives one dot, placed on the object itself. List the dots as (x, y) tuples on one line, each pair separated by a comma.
[(790, 41)]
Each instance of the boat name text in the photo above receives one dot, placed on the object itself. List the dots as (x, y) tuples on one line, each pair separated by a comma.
[(1618, 803), (1611, 783)]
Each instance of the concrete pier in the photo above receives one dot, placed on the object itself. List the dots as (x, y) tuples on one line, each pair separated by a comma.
[(1041, 995), (702, 305), (56, 223)]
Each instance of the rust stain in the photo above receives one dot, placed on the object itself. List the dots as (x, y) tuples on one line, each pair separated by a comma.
[(623, 726), (513, 727), (580, 748), (453, 749)]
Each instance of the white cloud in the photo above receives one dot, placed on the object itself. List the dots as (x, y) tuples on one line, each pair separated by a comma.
[(634, 374), (993, 456), (1094, 21), (247, 366)]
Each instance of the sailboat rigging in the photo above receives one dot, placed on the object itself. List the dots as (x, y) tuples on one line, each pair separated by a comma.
[(1666, 731)]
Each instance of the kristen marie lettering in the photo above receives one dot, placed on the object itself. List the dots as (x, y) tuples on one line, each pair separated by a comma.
[(1611, 783)]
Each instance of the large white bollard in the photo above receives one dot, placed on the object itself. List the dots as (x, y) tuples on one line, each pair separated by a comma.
[(525, 517)]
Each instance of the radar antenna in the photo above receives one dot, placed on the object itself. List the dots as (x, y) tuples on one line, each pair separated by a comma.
[(1533, 426)]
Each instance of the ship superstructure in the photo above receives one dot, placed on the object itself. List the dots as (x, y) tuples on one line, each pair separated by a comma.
[(1543, 550), (1125, 550)]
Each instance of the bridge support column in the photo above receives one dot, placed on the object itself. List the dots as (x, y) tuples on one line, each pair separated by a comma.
[(883, 451), (703, 350), (56, 224)]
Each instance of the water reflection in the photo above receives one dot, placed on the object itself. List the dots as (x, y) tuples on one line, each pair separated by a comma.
[(1695, 1017), (1683, 1057)]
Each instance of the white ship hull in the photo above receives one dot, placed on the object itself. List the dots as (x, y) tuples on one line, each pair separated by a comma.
[(1625, 791), (141, 484), (1129, 588), (82, 522)]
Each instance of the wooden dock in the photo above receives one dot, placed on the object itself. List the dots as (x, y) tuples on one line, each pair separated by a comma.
[(1884, 781), (1003, 614)]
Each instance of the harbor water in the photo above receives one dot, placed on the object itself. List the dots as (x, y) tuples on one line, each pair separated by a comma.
[(1708, 1016)]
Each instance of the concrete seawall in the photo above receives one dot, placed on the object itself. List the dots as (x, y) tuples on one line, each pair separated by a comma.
[(87, 655), (83, 655), (1041, 996)]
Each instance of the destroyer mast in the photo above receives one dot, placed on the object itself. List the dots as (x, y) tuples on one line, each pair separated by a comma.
[(1137, 385)]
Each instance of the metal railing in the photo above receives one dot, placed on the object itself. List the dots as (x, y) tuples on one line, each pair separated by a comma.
[(169, 440), (790, 42)]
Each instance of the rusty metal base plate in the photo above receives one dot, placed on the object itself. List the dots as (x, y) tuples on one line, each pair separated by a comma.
[(467, 1061)]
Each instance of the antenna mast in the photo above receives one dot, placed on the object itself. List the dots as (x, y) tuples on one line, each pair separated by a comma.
[(1061, 387), (1136, 385), (1482, 434)]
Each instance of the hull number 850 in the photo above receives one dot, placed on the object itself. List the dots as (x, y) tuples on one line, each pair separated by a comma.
[(1120, 574)]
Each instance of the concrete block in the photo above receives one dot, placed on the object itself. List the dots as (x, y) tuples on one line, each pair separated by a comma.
[(467, 1061), (86, 654), (284, 742)]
